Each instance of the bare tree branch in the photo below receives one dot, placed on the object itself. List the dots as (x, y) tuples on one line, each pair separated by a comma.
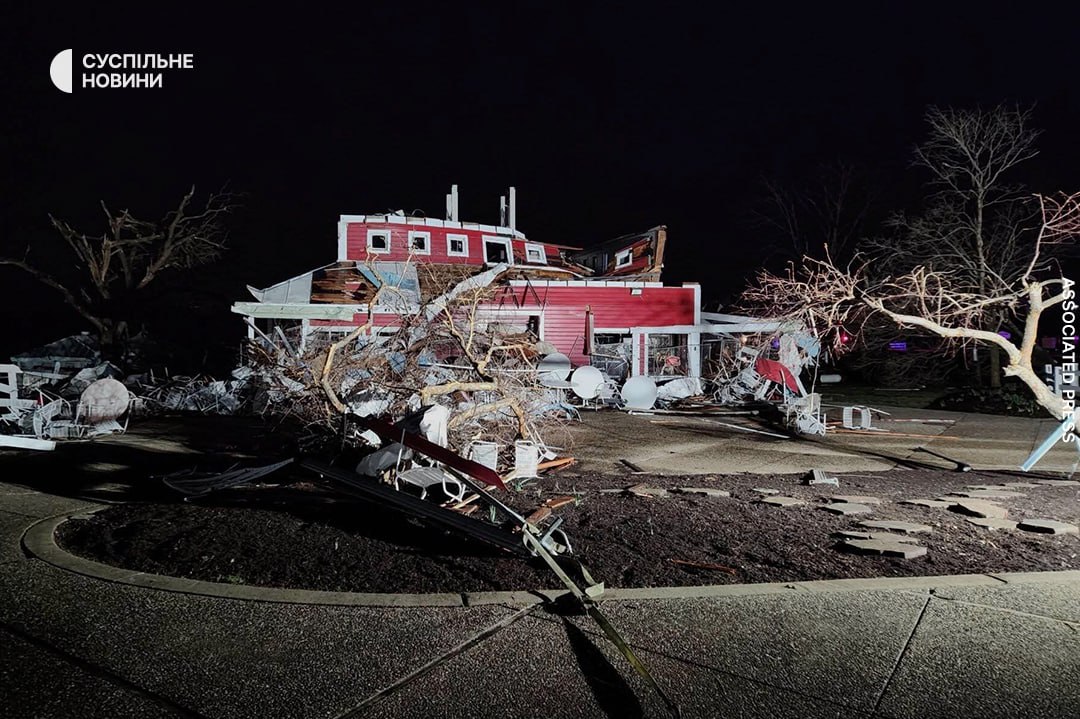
[(831, 299), (131, 253)]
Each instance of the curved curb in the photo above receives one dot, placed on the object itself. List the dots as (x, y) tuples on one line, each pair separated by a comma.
[(39, 540)]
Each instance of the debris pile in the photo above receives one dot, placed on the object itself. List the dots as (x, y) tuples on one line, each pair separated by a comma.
[(448, 352)]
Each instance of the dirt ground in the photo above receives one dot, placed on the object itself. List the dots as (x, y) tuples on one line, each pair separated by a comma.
[(300, 535)]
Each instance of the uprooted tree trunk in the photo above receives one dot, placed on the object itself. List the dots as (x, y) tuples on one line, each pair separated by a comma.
[(832, 300)]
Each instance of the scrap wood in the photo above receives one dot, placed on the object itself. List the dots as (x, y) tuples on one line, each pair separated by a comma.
[(465, 510), (541, 513), (704, 565), (468, 500), (633, 467), (556, 502), (557, 463)]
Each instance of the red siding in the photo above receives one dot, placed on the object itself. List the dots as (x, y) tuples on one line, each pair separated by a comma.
[(356, 237), (564, 311), (612, 307), (379, 319)]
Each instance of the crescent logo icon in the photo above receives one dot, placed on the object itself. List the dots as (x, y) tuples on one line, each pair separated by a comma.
[(61, 70)]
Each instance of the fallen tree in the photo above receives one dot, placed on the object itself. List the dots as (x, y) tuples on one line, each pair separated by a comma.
[(838, 301), (450, 350)]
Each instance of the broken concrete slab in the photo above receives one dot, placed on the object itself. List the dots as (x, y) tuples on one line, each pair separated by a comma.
[(644, 490), (980, 508), (886, 548), (708, 491), (1020, 485), (783, 501), (848, 534), (992, 523), (1048, 526), (936, 503), (856, 498), (884, 536), (847, 508), (987, 494), (765, 490), (895, 525)]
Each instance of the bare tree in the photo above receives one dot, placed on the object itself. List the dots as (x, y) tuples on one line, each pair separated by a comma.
[(836, 299), (976, 225), (117, 265), (830, 212)]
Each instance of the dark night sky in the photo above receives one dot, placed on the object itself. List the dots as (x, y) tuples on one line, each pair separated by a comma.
[(607, 119)]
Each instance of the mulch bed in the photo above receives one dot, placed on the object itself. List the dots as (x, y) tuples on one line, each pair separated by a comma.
[(301, 536)]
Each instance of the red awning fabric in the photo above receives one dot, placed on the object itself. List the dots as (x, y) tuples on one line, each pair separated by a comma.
[(778, 373)]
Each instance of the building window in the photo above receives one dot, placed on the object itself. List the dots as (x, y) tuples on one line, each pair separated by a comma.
[(534, 254), (497, 250), (378, 241), (457, 245), (420, 242), (624, 257)]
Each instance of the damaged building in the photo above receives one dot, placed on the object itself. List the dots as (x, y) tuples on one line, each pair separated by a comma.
[(604, 306)]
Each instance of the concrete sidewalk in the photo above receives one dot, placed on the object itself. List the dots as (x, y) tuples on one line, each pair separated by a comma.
[(956, 647), (679, 444)]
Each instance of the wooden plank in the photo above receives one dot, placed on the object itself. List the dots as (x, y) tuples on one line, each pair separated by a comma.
[(539, 515), (556, 502), (557, 463)]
